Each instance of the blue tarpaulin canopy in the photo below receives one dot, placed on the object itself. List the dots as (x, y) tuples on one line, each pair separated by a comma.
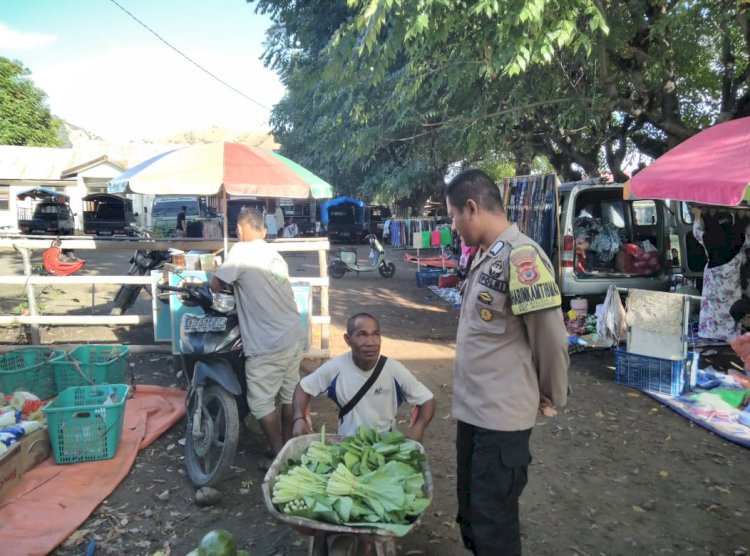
[(338, 201), (42, 193)]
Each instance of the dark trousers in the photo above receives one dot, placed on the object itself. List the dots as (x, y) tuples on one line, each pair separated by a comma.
[(492, 471)]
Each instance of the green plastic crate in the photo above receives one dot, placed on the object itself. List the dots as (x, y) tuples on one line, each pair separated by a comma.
[(85, 422), (91, 365), (29, 370)]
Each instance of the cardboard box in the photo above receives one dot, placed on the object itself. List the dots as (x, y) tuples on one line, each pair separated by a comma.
[(35, 448), (10, 469)]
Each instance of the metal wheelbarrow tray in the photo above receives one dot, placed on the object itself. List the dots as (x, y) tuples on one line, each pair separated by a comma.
[(371, 540)]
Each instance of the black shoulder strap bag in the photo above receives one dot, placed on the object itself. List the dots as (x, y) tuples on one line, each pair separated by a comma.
[(365, 387)]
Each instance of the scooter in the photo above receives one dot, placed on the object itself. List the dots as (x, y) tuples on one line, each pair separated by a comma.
[(213, 366), (141, 263), (347, 261)]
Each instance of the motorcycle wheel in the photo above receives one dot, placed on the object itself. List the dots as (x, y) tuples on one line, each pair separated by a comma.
[(126, 296), (387, 270), (209, 458), (336, 270)]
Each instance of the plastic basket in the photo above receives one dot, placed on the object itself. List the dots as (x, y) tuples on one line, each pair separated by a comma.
[(29, 370), (90, 365), (85, 422), (654, 374), (429, 277)]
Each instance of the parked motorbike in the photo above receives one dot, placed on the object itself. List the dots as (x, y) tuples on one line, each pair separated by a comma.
[(377, 260), (214, 369), (142, 263)]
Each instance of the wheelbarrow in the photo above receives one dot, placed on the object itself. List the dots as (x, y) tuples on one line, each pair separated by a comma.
[(328, 539)]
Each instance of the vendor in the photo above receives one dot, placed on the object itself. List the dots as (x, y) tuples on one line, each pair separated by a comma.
[(721, 277)]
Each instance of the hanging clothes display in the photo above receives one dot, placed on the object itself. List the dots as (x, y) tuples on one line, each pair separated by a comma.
[(402, 231), (531, 202)]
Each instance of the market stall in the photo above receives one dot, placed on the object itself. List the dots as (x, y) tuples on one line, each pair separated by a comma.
[(711, 170)]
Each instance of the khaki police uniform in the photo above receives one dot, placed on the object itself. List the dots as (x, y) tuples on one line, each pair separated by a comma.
[(511, 341)]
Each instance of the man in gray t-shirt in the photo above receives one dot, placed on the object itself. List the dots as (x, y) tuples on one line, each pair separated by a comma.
[(272, 332)]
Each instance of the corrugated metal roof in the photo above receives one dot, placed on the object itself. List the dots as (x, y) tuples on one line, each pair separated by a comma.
[(44, 163)]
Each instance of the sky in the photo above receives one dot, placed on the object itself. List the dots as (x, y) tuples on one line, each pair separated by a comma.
[(104, 72)]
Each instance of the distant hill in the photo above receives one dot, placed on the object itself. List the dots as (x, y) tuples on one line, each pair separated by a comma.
[(71, 134), (216, 134), (74, 135)]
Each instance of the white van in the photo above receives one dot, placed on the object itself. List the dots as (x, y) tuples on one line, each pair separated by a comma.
[(609, 240)]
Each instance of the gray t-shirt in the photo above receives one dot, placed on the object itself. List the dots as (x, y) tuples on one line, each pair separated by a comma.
[(269, 319)]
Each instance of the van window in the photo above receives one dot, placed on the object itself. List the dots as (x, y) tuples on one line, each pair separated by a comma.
[(644, 213), (170, 208)]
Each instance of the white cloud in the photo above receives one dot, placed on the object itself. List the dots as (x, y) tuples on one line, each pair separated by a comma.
[(18, 40)]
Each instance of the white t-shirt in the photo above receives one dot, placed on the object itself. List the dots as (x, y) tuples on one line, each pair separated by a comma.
[(342, 379), (268, 315)]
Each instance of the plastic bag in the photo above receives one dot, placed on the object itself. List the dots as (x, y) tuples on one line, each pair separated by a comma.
[(612, 324)]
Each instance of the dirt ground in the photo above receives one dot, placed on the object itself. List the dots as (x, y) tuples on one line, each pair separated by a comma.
[(615, 473)]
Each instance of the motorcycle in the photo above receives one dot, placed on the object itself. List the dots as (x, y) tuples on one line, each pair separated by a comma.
[(142, 263), (213, 366), (377, 260)]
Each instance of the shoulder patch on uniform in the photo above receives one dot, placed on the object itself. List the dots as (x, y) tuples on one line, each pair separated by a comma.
[(495, 249), (532, 285)]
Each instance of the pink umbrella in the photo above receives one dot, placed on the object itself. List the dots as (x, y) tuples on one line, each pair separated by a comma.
[(712, 167)]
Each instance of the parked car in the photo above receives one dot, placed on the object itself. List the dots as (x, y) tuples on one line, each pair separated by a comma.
[(164, 210), (375, 217), (106, 215), (49, 217), (609, 240), (345, 223)]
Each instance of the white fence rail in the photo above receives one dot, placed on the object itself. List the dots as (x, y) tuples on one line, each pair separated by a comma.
[(26, 245)]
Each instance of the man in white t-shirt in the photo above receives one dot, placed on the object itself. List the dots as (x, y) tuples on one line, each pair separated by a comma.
[(270, 324), (343, 376)]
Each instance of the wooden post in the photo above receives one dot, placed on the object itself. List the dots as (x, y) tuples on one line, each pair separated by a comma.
[(30, 295), (325, 327)]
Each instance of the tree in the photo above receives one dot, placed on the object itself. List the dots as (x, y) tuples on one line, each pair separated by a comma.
[(395, 92), (25, 118)]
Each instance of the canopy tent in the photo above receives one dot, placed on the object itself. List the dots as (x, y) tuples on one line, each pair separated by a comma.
[(228, 168), (208, 169), (338, 201), (43, 193), (712, 167)]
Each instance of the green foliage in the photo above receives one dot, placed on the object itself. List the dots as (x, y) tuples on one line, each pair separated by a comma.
[(385, 95), (25, 118)]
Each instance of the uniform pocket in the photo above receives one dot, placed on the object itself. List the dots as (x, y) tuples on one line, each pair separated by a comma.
[(489, 319)]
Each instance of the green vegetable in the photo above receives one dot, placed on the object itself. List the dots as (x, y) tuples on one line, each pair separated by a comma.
[(371, 479), (218, 542)]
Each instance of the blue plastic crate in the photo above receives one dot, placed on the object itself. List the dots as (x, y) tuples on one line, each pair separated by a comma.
[(654, 374), (428, 277)]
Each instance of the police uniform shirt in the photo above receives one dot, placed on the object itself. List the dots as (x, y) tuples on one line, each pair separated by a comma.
[(511, 341)]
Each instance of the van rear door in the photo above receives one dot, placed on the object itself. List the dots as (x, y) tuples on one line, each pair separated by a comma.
[(692, 257)]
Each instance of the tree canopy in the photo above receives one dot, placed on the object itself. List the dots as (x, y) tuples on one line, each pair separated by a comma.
[(383, 95), (25, 118)]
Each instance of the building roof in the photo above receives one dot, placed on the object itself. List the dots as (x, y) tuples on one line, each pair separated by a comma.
[(45, 163)]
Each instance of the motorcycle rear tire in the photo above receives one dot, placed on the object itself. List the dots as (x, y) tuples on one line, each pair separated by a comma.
[(387, 270), (336, 270), (221, 423), (125, 298)]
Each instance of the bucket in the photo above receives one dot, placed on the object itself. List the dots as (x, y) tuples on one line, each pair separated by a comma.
[(580, 305)]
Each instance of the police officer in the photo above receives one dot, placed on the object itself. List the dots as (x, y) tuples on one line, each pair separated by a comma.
[(511, 363)]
